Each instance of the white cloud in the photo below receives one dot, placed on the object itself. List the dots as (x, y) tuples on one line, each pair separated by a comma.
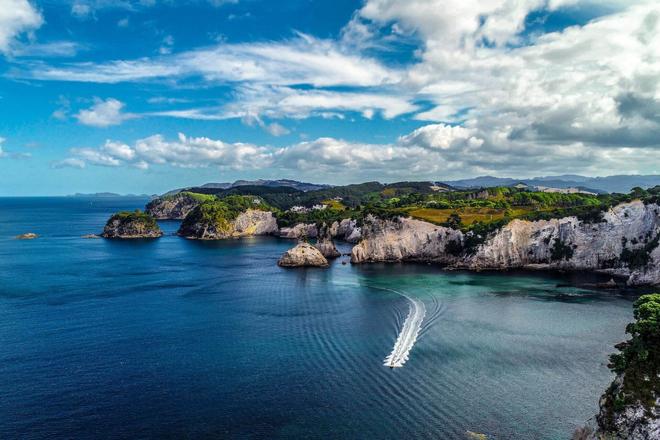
[(104, 113), (16, 17), (81, 10), (12, 155), (70, 162), (276, 129), (43, 50), (302, 60), (287, 102), (435, 151), (583, 99)]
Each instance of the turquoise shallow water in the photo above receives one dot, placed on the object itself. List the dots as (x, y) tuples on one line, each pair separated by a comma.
[(183, 339)]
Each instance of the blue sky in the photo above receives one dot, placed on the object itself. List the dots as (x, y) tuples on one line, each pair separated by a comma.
[(144, 96)]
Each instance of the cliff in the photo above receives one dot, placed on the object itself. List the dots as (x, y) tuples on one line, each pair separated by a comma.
[(325, 244), (346, 230), (131, 225), (624, 243), (405, 239), (248, 223), (630, 407), (175, 207)]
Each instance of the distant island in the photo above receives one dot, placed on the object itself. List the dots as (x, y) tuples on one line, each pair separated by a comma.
[(109, 195)]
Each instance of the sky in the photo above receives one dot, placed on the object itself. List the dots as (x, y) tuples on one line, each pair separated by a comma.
[(142, 96)]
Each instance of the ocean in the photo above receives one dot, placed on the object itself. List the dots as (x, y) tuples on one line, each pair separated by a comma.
[(181, 339)]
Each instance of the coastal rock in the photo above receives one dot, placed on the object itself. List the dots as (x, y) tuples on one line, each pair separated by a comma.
[(325, 244), (633, 422), (302, 255), (248, 223), (346, 230), (173, 207), (301, 230), (570, 244), (405, 239), (624, 243), (127, 225), (27, 236)]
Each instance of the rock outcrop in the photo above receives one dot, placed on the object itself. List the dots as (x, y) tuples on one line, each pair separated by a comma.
[(346, 230), (129, 225), (632, 422), (248, 223), (630, 407), (173, 207), (300, 231), (624, 243), (27, 236), (405, 239), (303, 255), (325, 244)]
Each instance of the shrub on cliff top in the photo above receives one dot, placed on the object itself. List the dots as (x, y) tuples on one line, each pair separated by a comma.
[(639, 357), (134, 216), (220, 212)]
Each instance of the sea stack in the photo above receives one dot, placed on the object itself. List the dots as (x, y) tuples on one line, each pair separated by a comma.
[(127, 225), (325, 244), (303, 255)]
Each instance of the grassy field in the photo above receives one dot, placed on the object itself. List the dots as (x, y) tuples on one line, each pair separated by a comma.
[(468, 215), (334, 204)]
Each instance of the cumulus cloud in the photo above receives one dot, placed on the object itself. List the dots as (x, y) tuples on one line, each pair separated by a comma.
[(434, 151), (104, 113), (497, 99), (588, 89), (16, 17)]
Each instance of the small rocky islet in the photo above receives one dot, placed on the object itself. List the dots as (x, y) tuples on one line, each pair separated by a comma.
[(303, 255), (131, 225)]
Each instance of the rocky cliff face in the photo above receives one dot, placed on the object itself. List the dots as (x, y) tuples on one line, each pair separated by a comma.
[(625, 243), (301, 230), (174, 207), (248, 223), (633, 422), (325, 244), (406, 240), (303, 254), (346, 230)]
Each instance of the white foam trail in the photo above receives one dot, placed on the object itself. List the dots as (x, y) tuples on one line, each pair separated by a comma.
[(408, 335)]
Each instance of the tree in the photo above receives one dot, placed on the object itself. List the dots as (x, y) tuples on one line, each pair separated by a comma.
[(639, 357), (454, 221)]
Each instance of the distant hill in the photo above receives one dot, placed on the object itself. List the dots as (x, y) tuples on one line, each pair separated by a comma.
[(619, 184), (300, 186)]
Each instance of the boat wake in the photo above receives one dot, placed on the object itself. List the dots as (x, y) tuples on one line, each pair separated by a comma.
[(408, 335)]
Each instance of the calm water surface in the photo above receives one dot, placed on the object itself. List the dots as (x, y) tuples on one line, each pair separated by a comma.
[(182, 339)]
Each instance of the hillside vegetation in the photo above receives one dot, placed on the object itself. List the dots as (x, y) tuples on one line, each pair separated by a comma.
[(479, 210)]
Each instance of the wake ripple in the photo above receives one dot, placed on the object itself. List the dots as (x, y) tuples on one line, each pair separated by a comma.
[(408, 335)]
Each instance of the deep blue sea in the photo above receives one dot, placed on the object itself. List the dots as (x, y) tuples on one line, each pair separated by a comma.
[(178, 339)]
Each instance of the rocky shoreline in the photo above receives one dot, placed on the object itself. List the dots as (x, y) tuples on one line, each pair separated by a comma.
[(623, 244)]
